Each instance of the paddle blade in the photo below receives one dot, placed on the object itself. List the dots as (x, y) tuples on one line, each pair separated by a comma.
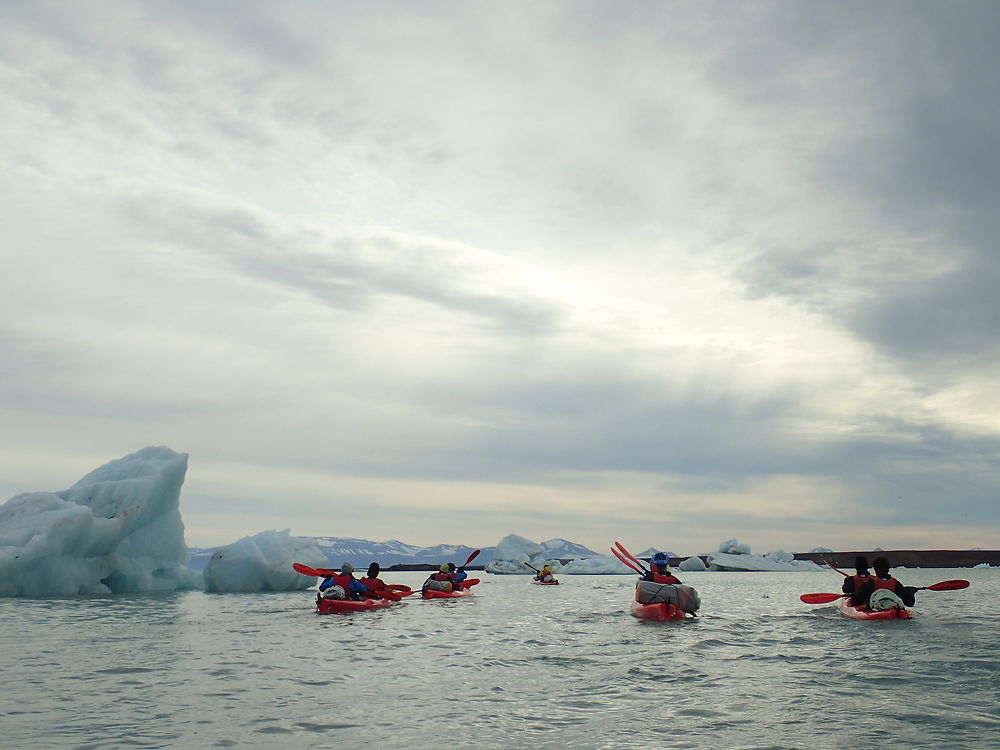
[(630, 556), (472, 557), (469, 582), (305, 570), (952, 585), (624, 559), (399, 587), (820, 598)]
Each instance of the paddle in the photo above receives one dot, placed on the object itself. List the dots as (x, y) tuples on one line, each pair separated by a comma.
[(820, 598), (631, 557), (950, 585), (837, 569), (307, 571), (533, 568), (625, 560)]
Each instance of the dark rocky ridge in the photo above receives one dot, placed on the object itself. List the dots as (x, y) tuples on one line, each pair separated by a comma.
[(908, 558)]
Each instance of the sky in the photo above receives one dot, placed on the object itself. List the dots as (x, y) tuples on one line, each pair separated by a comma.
[(659, 272)]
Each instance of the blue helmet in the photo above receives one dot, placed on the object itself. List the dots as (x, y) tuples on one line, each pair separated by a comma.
[(660, 559)]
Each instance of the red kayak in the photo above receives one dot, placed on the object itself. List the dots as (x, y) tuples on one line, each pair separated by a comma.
[(546, 583), (432, 594), (338, 606), (866, 614), (658, 612), (464, 591)]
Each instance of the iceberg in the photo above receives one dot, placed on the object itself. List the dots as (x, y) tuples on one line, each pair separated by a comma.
[(263, 562), (733, 547), (692, 564), (774, 562), (511, 554), (597, 565), (117, 530), (513, 551)]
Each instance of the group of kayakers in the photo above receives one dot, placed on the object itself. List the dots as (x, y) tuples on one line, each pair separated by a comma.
[(344, 585), (871, 587), (877, 589)]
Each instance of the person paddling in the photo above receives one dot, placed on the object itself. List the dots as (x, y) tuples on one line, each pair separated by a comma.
[(372, 582), (458, 575), (861, 576), (869, 593), (660, 570), (350, 587), (545, 574)]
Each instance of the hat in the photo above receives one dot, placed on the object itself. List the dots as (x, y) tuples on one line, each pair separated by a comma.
[(660, 558), (373, 570), (346, 568), (444, 567)]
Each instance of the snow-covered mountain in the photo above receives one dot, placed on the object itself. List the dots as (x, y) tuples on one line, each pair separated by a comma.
[(362, 552), (560, 549)]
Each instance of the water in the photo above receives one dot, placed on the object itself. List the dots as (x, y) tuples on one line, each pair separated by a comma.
[(514, 666)]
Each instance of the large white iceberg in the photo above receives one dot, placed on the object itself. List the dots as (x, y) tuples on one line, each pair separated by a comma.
[(117, 530), (513, 551), (511, 554), (263, 563)]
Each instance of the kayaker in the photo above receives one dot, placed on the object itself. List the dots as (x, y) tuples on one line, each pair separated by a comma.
[(352, 588), (861, 575), (372, 582), (882, 581), (458, 574), (440, 581), (545, 575), (659, 570)]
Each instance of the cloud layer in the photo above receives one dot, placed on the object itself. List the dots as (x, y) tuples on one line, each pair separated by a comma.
[(448, 273)]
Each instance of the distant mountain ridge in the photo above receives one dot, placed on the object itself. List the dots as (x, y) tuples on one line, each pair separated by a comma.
[(362, 552)]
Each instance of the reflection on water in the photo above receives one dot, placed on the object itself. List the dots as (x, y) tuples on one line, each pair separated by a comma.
[(515, 666)]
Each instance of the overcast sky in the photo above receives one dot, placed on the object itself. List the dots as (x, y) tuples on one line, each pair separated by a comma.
[(666, 273)]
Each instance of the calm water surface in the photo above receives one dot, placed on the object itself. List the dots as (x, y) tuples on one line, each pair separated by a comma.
[(514, 666)]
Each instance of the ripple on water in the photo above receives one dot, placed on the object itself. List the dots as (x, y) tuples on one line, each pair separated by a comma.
[(573, 671)]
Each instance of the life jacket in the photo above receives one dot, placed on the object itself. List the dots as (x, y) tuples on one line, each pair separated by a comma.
[(344, 582), (664, 578), (858, 580), (374, 584), (889, 584), (443, 577)]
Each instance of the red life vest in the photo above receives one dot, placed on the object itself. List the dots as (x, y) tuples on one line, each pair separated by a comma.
[(889, 584), (443, 577), (664, 578), (344, 582), (374, 584), (858, 580)]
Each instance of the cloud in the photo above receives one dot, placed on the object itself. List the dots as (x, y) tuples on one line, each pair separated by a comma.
[(740, 260)]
